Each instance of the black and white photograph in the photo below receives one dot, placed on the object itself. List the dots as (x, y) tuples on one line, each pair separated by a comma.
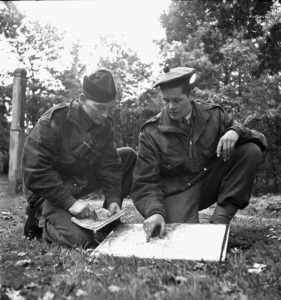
[(140, 150)]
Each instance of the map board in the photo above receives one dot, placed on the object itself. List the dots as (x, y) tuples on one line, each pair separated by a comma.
[(181, 241)]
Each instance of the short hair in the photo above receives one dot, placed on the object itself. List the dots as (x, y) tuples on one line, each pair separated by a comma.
[(183, 83)]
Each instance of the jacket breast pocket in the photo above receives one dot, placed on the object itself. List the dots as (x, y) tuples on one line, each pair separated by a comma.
[(172, 164)]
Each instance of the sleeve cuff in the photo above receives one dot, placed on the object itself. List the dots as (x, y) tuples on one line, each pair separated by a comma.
[(237, 129), (156, 211), (68, 202), (108, 201)]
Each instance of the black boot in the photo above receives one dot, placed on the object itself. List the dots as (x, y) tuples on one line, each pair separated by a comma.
[(31, 229)]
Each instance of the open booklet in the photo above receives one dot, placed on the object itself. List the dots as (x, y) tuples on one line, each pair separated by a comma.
[(102, 219)]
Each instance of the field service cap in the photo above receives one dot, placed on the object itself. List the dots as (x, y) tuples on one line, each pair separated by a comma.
[(173, 75), (100, 86)]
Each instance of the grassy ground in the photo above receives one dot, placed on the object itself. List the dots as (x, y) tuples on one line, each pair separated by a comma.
[(37, 270)]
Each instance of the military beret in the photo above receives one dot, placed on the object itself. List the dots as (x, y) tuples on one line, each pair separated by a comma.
[(100, 86), (176, 74)]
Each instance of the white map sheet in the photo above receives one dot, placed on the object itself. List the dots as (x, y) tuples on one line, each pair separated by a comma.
[(182, 241)]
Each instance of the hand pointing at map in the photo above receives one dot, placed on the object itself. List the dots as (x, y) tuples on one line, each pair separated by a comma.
[(152, 224)]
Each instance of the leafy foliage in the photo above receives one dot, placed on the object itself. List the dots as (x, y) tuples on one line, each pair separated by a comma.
[(234, 45), (222, 19), (10, 20), (270, 50), (268, 178), (128, 122), (70, 76), (130, 72), (37, 48)]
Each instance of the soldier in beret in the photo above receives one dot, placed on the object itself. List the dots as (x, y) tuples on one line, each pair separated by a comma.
[(70, 153), (190, 157)]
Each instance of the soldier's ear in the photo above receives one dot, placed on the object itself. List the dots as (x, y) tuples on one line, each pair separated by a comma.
[(82, 97)]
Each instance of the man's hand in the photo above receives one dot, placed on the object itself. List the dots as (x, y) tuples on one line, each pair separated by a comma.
[(83, 209), (153, 223), (113, 208), (226, 144)]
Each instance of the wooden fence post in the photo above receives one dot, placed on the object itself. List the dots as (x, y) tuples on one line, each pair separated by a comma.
[(17, 130)]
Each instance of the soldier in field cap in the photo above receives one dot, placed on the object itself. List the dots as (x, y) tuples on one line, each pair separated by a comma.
[(69, 154), (192, 156)]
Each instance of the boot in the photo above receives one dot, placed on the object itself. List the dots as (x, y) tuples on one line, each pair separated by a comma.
[(223, 214), (31, 229)]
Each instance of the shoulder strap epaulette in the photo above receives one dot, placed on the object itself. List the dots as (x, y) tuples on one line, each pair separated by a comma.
[(152, 120), (50, 111), (213, 105)]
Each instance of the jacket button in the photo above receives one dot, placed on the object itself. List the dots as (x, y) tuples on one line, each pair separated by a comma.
[(189, 184), (75, 184), (205, 169)]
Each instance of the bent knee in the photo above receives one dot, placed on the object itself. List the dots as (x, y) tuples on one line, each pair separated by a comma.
[(127, 151), (127, 154), (71, 238), (250, 151)]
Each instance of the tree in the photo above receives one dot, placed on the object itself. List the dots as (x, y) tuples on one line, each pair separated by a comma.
[(223, 20), (270, 50), (150, 98), (231, 44), (10, 20), (131, 74), (70, 77), (38, 48), (184, 19)]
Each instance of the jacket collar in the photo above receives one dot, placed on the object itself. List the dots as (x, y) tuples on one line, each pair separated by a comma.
[(167, 125), (77, 116), (199, 118)]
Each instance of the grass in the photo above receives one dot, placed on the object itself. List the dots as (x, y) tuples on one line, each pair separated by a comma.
[(37, 270)]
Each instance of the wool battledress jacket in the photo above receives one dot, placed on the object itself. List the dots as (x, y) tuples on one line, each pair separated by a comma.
[(66, 150), (172, 158)]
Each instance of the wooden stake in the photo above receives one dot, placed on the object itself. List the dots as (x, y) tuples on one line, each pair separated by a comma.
[(17, 130)]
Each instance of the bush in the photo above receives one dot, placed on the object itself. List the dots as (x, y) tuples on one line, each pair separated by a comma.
[(128, 122), (268, 179)]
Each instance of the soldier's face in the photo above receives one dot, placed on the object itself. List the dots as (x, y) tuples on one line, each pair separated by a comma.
[(98, 111), (176, 103)]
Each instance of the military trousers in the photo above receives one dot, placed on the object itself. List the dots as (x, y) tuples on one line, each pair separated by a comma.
[(227, 183), (56, 222)]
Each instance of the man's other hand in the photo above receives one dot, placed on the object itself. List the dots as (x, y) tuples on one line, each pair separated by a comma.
[(153, 223), (83, 209), (113, 209), (226, 144)]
